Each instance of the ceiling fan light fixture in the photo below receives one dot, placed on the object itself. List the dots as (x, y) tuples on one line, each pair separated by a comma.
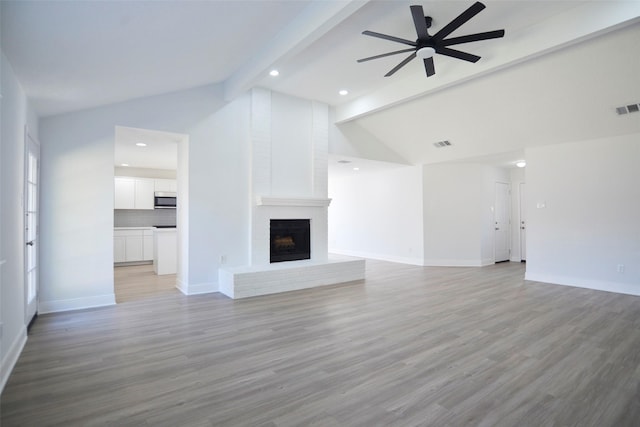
[(425, 52)]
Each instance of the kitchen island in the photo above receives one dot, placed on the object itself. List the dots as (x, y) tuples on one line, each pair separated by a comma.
[(165, 245)]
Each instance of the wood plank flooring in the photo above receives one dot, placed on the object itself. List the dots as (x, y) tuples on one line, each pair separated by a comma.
[(137, 282), (408, 346)]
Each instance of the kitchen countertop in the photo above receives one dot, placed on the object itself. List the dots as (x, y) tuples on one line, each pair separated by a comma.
[(164, 230), (133, 228)]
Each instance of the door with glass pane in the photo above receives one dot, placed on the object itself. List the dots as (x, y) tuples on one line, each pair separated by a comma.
[(31, 235)]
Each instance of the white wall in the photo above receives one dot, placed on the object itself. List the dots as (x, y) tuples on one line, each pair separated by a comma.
[(219, 189), (77, 202), (589, 224), (377, 215), (458, 213), (16, 113), (352, 140)]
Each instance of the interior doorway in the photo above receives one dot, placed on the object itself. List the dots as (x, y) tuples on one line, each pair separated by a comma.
[(150, 168), (502, 219), (31, 225)]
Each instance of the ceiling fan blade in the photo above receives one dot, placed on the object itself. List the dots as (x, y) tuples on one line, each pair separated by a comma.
[(459, 21), (400, 65), (390, 38), (386, 54), (419, 21), (473, 38), (429, 67), (457, 54)]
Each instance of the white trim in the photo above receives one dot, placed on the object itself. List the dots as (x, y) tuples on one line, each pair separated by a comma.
[(293, 201), (598, 285), (457, 262), (76, 303), (9, 361), (196, 288), (381, 257)]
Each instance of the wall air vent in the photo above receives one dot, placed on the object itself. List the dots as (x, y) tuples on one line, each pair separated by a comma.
[(441, 144), (625, 109)]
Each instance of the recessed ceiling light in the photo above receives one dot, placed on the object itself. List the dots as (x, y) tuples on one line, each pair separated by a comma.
[(356, 169), (141, 144), (521, 163), (274, 73), (343, 92), (125, 164)]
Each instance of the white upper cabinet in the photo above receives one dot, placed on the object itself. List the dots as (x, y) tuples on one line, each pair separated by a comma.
[(144, 193), (133, 193), (169, 185), (125, 193)]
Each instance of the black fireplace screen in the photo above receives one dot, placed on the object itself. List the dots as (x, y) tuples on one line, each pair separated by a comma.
[(290, 240)]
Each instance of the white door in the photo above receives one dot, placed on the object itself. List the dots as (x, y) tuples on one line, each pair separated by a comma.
[(502, 220), (31, 233), (523, 223)]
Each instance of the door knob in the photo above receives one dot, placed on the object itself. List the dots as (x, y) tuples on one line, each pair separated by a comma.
[(30, 243)]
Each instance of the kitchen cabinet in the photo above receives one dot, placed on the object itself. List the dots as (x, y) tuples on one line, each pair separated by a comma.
[(132, 244), (133, 193), (125, 193), (167, 185), (119, 254)]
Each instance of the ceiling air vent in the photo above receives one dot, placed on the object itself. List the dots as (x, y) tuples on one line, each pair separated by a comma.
[(441, 144), (625, 109)]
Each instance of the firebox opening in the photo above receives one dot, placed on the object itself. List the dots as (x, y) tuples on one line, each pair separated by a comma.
[(290, 240)]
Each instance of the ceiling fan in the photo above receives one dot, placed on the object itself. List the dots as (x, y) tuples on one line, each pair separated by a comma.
[(427, 45)]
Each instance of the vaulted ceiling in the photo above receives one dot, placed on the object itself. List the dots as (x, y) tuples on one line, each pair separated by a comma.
[(556, 58)]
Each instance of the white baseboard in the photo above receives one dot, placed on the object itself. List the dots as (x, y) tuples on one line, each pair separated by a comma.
[(456, 263), (9, 361), (196, 288), (598, 285), (76, 303), (381, 257)]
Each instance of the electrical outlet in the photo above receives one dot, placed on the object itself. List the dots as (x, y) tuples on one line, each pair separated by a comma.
[(620, 268)]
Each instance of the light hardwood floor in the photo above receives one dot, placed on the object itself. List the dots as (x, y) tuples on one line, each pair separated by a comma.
[(409, 346), (138, 282)]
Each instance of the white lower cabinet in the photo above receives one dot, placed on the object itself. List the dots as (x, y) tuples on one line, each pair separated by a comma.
[(147, 245), (131, 245), (119, 249)]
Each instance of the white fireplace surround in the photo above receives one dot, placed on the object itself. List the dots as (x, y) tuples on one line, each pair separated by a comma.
[(268, 208), (263, 277), (289, 152), (310, 202)]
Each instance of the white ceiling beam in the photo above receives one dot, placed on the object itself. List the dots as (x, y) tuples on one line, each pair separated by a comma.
[(587, 20), (315, 21)]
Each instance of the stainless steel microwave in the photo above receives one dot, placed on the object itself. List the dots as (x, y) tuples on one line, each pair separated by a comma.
[(164, 200)]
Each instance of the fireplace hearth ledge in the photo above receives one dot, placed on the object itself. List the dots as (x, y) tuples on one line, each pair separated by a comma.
[(250, 281), (293, 201)]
